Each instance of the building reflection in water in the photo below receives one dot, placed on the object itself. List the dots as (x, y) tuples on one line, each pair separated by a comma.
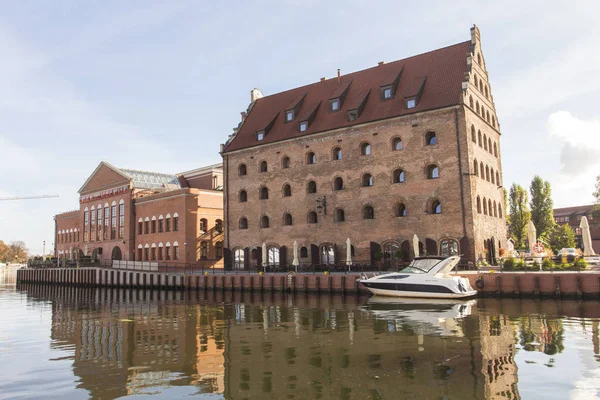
[(275, 346)]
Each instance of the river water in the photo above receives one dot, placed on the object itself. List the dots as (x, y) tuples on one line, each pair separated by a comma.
[(74, 343)]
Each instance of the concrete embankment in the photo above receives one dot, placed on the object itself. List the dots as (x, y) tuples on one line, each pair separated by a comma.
[(513, 284)]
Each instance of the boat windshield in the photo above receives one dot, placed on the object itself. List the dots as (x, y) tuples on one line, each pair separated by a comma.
[(421, 266)]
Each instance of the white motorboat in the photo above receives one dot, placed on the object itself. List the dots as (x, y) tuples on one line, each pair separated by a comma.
[(424, 277)]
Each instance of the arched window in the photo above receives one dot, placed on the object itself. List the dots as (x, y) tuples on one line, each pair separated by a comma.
[(479, 138), (367, 180), (287, 190), (311, 187), (495, 210), (498, 179), (476, 81), (470, 101), (327, 254), (492, 175), (399, 175), (430, 138), (477, 107), (243, 196), (365, 149), (336, 154), (481, 170), (287, 219), (486, 91), (478, 205), (490, 145), (495, 150), (243, 223), (481, 85), (339, 215), (303, 252), (203, 225), (448, 247), (264, 221), (311, 158), (478, 59), (368, 212), (473, 134), (263, 166), (338, 183), (484, 206), (397, 144), (203, 250), (273, 256), (219, 225), (312, 217), (490, 207), (485, 143), (475, 168), (493, 121), (242, 170), (400, 210), (436, 207), (264, 193), (238, 259), (487, 115), (499, 211), (487, 173), (285, 162), (433, 172)]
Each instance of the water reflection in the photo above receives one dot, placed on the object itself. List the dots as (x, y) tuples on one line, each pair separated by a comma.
[(239, 346)]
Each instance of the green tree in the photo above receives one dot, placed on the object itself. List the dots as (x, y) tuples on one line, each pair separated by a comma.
[(4, 250), (562, 237), (541, 204), (506, 214), (519, 215)]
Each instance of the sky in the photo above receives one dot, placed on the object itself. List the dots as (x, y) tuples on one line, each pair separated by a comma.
[(159, 85)]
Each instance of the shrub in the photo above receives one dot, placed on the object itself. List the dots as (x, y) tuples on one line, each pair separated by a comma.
[(547, 264), (534, 267), (579, 264), (509, 264), (520, 265)]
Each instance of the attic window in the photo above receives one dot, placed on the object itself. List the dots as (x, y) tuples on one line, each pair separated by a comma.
[(411, 103), (387, 92), (303, 126), (335, 104), (352, 115), (260, 135), (289, 116)]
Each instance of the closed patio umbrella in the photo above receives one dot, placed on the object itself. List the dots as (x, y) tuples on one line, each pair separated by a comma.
[(295, 261), (531, 237), (415, 241), (264, 255), (348, 253), (586, 237)]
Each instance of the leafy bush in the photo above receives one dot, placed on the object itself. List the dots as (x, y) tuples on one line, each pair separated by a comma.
[(580, 264), (509, 264), (547, 264)]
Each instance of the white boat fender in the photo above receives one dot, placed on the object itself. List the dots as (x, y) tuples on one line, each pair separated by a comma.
[(479, 283)]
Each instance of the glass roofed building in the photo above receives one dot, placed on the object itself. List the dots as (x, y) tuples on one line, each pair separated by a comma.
[(133, 215)]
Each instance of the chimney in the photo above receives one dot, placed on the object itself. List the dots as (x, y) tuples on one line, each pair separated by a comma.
[(255, 94), (322, 79), (339, 75), (243, 115), (380, 63)]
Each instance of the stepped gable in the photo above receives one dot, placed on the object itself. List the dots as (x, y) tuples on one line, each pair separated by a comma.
[(440, 72)]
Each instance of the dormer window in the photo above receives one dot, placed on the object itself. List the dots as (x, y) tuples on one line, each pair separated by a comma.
[(352, 115), (335, 105), (289, 116), (387, 92), (260, 135), (291, 111), (411, 103), (414, 91), (303, 126)]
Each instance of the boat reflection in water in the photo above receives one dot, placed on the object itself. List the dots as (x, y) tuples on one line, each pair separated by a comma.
[(423, 316)]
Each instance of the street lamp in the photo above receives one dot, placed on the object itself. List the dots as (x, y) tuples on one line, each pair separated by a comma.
[(322, 205), (44, 251)]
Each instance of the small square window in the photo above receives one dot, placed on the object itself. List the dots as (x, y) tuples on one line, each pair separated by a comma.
[(303, 126), (410, 103), (387, 93), (260, 135), (335, 105), (289, 116)]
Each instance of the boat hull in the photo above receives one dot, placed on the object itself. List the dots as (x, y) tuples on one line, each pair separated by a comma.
[(432, 295)]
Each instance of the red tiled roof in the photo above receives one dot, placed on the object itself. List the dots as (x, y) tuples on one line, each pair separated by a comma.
[(445, 70), (567, 211)]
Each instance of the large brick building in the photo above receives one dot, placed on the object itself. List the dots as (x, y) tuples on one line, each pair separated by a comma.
[(376, 156), (146, 216)]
